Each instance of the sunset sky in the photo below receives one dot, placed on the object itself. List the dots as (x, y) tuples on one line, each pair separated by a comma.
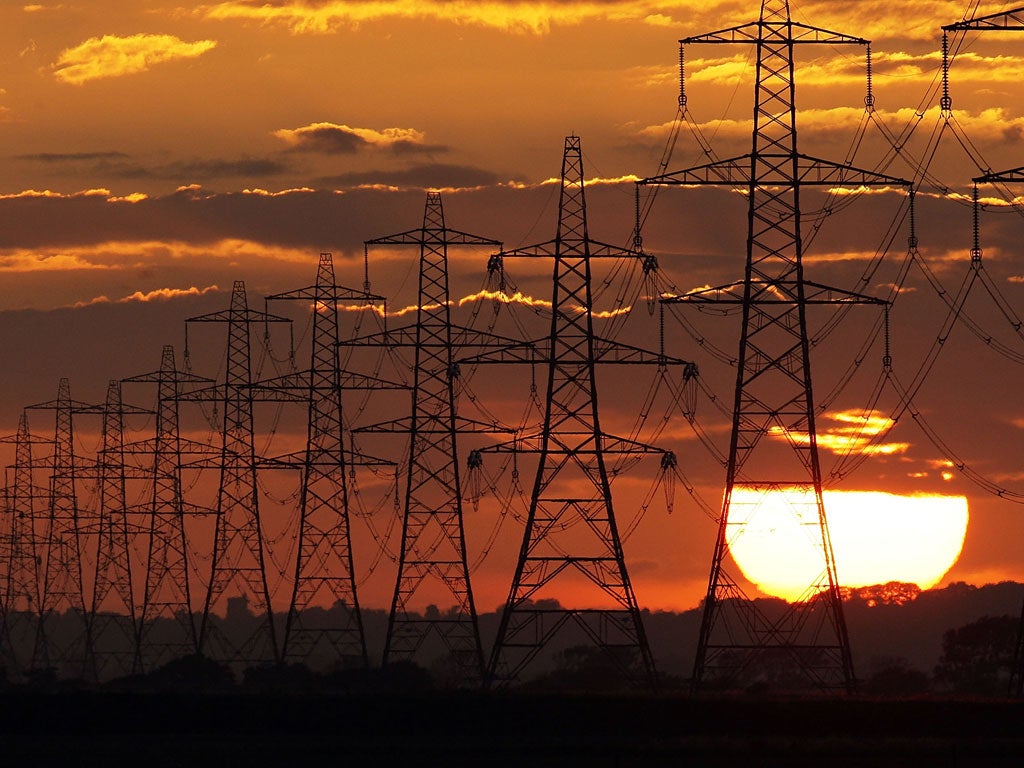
[(154, 151)]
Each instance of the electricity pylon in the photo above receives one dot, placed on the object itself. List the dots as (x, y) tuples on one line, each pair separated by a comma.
[(111, 642), (773, 443), (239, 556), (324, 566), (58, 547), (21, 584), (433, 549), (571, 533), (167, 590)]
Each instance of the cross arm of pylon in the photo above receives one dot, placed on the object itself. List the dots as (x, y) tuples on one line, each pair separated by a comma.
[(184, 446), (811, 171), (1012, 20), (299, 459), (315, 293), (609, 444), (158, 377), (421, 236), (550, 249), (615, 352), (238, 316), (776, 292), (768, 30), (292, 384), (1009, 176), (404, 424)]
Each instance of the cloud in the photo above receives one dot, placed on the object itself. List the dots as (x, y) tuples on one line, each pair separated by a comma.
[(332, 138), (159, 294), (326, 16), (912, 20), (134, 254), (72, 157), (856, 434), (428, 176), (113, 56)]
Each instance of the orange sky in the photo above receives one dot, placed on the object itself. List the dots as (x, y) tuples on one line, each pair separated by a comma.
[(157, 150)]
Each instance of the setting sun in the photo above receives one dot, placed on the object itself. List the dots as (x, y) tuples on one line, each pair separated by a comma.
[(877, 537)]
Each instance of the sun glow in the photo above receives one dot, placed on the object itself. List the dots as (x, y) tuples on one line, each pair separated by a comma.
[(877, 538)]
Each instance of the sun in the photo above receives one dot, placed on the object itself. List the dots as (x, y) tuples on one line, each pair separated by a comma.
[(876, 537)]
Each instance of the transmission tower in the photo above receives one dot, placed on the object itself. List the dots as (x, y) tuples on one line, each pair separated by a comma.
[(21, 586), (238, 558), (324, 567), (166, 626), (571, 531), (111, 641), (433, 549), (58, 549), (773, 444)]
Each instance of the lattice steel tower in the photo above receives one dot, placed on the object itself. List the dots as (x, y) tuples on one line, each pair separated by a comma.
[(1009, 21), (571, 531), (21, 585), (239, 556), (773, 446), (433, 550), (167, 590), (111, 642), (58, 544), (324, 567)]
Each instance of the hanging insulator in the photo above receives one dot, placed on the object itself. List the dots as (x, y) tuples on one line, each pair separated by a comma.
[(887, 357), (682, 78), (473, 481), (912, 240), (366, 268), (690, 373), (946, 103), (869, 96), (668, 467), (976, 242), (454, 371), (650, 267)]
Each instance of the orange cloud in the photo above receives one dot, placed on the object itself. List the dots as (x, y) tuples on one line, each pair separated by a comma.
[(325, 16), (160, 294), (855, 434), (332, 137), (126, 254), (113, 56)]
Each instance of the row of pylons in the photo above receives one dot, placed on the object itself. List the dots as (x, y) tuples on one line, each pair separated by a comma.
[(112, 588)]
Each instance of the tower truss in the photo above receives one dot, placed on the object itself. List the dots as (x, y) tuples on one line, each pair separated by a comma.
[(21, 584), (239, 558), (324, 566), (111, 642), (571, 534), (773, 445), (166, 626), (433, 548), (58, 547)]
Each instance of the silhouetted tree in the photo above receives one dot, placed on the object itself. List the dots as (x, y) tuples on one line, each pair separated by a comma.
[(977, 658), (894, 676)]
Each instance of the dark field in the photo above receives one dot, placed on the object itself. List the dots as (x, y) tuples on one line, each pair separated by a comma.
[(108, 729)]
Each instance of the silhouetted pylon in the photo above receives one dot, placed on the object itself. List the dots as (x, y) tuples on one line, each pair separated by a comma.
[(58, 546), (324, 566), (571, 544), (773, 447), (433, 549), (239, 558), (167, 588), (111, 639), (21, 578)]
